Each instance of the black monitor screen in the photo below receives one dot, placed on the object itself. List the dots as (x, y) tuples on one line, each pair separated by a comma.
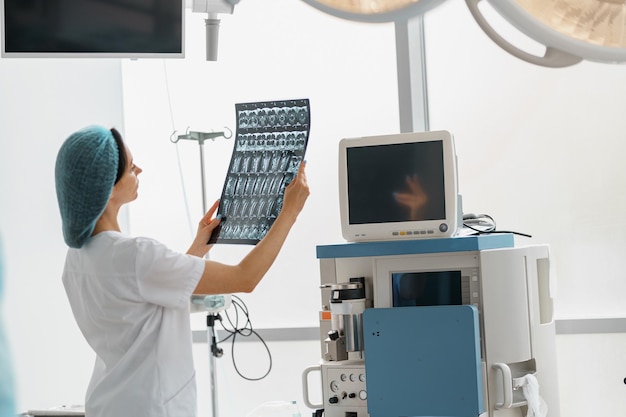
[(93, 26), (396, 182), (426, 288)]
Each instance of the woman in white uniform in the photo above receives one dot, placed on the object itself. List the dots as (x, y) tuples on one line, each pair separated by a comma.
[(130, 295)]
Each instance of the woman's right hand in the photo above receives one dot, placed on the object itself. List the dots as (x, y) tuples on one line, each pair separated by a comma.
[(219, 278), (296, 194)]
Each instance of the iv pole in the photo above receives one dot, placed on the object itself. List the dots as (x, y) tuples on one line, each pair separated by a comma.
[(213, 304)]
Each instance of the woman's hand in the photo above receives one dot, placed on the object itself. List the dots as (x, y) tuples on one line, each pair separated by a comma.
[(219, 278), (296, 194), (200, 245)]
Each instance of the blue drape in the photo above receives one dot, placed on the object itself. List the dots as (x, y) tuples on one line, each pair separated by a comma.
[(7, 399)]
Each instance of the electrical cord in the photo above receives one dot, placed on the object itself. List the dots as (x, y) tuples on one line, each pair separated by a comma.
[(482, 224), (180, 166), (245, 331)]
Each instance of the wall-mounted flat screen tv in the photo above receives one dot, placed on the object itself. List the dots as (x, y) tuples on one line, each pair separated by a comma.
[(92, 28)]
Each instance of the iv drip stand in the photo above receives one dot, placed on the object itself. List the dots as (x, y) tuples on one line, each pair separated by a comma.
[(214, 351), (212, 316)]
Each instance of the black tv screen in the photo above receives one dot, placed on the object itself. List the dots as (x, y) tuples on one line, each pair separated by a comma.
[(114, 28), (376, 174)]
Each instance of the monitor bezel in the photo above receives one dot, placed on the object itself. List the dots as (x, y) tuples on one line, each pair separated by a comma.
[(120, 55), (406, 229)]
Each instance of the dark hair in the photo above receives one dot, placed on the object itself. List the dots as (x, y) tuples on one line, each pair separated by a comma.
[(121, 163)]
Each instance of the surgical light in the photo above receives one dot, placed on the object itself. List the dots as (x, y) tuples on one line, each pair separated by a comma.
[(374, 10), (571, 30)]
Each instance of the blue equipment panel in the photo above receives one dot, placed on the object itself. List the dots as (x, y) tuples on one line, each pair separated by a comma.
[(411, 247), (423, 361)]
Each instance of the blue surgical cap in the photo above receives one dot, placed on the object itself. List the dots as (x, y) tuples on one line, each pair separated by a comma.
[(85, 172)]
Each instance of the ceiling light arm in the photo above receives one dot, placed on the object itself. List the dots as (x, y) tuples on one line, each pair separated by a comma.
[(212, 23), (408, 18), (411, 69), (553, 58)]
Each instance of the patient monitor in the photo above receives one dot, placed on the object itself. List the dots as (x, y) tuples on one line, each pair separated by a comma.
[(401, 186)]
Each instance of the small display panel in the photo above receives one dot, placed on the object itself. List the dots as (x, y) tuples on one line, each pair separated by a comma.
[(433, 288), (396, 183)]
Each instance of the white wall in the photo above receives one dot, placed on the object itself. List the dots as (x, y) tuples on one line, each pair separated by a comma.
[(539, 149), (591, 374)]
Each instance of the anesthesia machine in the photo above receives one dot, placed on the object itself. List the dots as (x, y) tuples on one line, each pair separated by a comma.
[(459, 326), (415, 319)]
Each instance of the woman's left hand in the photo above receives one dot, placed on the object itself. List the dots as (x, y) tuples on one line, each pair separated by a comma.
[(200, 245)]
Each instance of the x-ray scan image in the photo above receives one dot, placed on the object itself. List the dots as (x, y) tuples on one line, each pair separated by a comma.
[(269, 146)]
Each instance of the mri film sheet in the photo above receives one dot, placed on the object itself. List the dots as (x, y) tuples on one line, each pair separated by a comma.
[(270, 144)]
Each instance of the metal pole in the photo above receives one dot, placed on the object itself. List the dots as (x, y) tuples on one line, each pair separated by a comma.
[(411, 68), (202, 180), (211, 318), (206, 302), (212, 341)]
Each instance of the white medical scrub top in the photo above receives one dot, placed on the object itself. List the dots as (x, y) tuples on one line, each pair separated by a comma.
[(130, 298)]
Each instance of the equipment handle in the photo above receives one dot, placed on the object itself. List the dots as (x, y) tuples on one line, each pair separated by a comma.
[(553, 58), (507, 385), (305, 385)]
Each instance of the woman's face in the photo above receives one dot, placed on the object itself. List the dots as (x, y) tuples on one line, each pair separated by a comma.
[(125, 190)]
